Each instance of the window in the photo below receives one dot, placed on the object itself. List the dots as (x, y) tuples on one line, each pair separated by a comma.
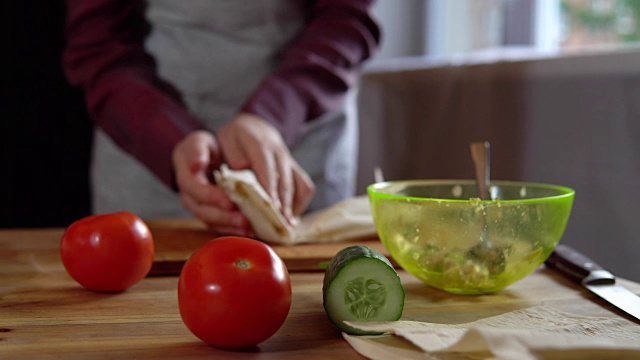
[(462, 26), (599, 22), (451, 27)]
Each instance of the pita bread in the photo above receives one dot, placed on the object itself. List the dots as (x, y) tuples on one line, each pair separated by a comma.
[(349, 219)]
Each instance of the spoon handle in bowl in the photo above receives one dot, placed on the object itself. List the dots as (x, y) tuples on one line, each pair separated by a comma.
[(481, 160)]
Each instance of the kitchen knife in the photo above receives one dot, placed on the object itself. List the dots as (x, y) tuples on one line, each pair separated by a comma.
[(594, 277)]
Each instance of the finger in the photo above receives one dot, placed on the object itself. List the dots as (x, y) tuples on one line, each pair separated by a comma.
[(268, 176), (189, 166), (263, 167), (192, 155), (206, 194), (192, 167), (217, 218), (262, 162), (233, 151), (286, 188), (304, 190)]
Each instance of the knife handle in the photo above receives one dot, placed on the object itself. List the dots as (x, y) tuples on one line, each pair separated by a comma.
[(578, 267)]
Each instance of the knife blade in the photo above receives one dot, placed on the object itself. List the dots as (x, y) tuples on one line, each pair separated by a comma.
[(578, 267)]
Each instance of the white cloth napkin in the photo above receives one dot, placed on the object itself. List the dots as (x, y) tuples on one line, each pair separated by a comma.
[(349, 219), (522, 334)]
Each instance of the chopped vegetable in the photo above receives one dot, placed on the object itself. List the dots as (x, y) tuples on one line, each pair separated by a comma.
[(360, 284)]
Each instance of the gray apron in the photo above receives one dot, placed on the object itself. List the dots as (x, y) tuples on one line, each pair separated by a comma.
[(216, 52)]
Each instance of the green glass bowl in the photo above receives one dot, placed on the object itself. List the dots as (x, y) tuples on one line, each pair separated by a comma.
[(439, 231)]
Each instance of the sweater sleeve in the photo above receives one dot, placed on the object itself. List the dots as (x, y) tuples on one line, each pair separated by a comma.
[(319, 68), (105, 56)]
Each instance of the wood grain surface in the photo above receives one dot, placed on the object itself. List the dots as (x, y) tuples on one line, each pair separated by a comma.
[(176, 240), (45, 314)]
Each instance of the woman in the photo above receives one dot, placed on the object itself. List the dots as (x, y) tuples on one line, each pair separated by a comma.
[(184, 86)]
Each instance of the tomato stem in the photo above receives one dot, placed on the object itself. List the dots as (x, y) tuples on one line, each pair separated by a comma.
[(243, 264)]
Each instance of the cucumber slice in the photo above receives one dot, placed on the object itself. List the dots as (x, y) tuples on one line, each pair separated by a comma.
[(360, 284)]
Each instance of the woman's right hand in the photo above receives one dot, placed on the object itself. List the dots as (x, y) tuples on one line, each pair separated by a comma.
[(194, 160)]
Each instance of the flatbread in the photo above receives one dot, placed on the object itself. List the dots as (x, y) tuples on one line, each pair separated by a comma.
[(347, 220)]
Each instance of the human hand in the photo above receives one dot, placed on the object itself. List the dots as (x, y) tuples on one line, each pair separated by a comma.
[(194, 159), (250, 142)]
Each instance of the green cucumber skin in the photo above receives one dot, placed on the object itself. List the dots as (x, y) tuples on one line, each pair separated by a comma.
[(338, 263)]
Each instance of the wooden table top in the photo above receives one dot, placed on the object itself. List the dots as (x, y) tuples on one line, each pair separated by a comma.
[(44, 313)]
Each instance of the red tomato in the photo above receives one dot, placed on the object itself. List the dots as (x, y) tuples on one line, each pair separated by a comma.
[(107, 253), (234, 292)]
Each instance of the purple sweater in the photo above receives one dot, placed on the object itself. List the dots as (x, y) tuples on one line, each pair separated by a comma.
[(105, 56)]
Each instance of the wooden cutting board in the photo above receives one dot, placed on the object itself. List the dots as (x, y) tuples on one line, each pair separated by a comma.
[(176, 240)]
